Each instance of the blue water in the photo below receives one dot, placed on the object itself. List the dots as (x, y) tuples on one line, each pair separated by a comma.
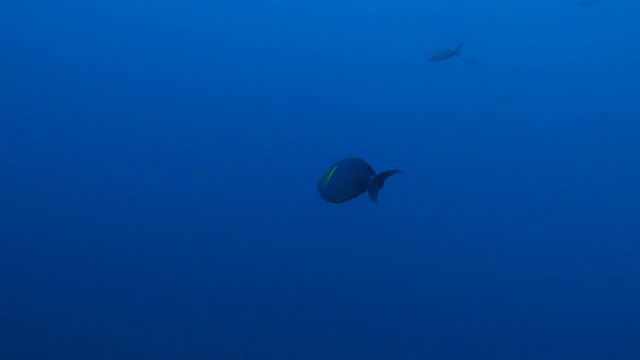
[(158, 164)]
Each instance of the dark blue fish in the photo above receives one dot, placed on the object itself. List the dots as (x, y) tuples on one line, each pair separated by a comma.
[(349, 178), (444, 54)]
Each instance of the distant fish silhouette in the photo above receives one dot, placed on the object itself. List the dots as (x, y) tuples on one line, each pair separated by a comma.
[(444, 54), (587, 2)]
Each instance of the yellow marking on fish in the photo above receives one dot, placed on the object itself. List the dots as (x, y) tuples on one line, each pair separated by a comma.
[(328, 177)]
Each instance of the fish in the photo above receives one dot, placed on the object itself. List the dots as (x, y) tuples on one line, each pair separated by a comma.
[(444, 54), (349, 178)]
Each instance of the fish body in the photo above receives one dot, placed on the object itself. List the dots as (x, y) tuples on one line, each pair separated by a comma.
[(444, 54), (349, 178)]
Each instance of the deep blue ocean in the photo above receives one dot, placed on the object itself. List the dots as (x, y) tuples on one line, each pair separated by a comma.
[(159, 162)]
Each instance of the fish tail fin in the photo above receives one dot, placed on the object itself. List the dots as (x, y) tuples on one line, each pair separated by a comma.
[(376, 182), (457, 53)]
